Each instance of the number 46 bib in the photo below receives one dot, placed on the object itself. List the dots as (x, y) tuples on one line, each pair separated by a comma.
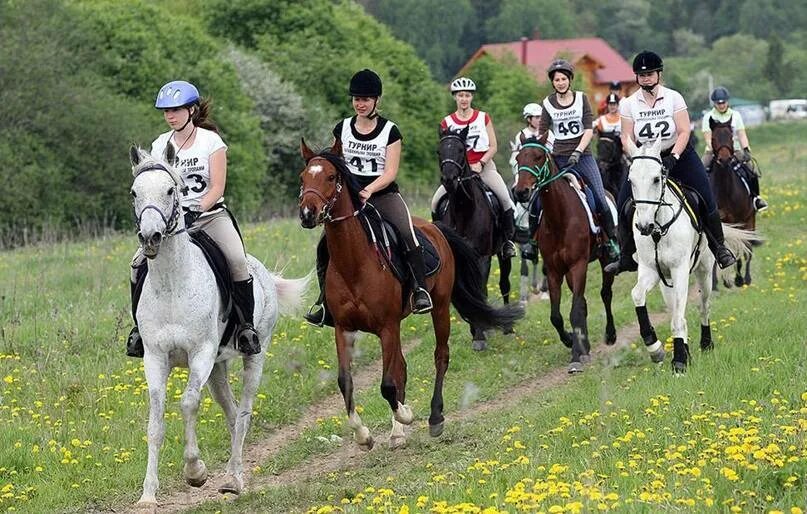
[(566, 123)]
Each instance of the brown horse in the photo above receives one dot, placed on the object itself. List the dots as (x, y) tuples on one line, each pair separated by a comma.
[(566, 245), (734, 202), (363, 295)]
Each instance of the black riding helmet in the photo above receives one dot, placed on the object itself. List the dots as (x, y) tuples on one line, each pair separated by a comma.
[(647, 61), (720, 94), (365, 83), (563, 66)]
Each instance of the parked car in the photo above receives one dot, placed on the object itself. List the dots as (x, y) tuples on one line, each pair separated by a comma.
[(753, 114), (791, 109)]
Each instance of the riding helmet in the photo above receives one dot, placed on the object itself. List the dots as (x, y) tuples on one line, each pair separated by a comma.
[(561, 65), (615, 85), (462, 84), (647, 61), (176, 93), (720, 94), (365, 83), (613, 98), (532, 109)]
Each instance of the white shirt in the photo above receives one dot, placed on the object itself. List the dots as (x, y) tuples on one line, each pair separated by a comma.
[(653, 121), (736, 123), (193, 162), (365, 157)]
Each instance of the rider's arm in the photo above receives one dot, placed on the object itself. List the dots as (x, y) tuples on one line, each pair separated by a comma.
[(743, 138), (393, 160), (682, 130), (588, 133), (627, 133), (218, 179), (488, 156), (707, 132)]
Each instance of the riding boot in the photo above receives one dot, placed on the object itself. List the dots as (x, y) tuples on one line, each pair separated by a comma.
[(607, 225), (626, 243), (247, 340), (753, 183), (319, 315), (134, 343), (714, 233), (421, 300), (509, 229)]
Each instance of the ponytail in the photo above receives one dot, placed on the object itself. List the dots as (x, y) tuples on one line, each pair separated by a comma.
[(201, 115)]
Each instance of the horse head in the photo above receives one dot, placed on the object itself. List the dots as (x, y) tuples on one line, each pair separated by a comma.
[(609, 150), (156, 198), (534, 166), (453, 159), (322, 180), (722, 140), (647, 182)]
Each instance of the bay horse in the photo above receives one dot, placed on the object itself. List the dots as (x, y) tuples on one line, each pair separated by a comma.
[(363, 295), (470, 215), (566, 245), (669, 248), (610, 162), (734, 201), (180, 315)]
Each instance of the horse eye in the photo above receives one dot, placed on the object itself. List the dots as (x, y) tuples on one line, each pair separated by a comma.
[(170, 191), (331, 178), (132, 192), (656, 180)]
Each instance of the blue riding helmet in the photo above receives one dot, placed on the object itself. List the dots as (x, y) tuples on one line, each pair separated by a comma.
[(720, 94), (177, 93)]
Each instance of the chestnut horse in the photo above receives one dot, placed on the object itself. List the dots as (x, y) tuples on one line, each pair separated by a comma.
[(566, 245), (364, 296), (734, 202)]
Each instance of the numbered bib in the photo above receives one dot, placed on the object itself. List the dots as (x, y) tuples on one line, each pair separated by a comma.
[(365, 157), (566, 123), (477, 140)]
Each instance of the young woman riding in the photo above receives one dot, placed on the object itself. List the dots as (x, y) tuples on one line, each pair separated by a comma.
[(652, 112), (371, 145), (722, 113), (481, 147), (610, 122), (201, 160), (568, 115)]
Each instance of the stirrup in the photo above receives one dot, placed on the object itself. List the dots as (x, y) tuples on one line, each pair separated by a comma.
[(724, 257), (760, 204), (625, 263), (134, 344), (508, 249), (423, 304), (315, 315), (247, 340)]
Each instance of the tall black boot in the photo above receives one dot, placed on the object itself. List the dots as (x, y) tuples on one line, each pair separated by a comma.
[(509, 230), (607, 225), (247, 339), (753, 183), (714, 235), (319, 315), (134, 343), (421, 300), (626, 243)]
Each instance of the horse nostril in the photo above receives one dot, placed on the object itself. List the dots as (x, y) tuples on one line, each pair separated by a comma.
[(140, 237), (156, 239)]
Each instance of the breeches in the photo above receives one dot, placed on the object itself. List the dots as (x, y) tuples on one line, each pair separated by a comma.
[(490, 176), (588, 168), (393, 208)]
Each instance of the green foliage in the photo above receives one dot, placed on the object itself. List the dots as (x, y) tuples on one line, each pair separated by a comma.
[(516, 18)]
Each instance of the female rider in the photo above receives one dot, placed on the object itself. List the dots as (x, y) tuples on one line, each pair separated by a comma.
[(371, 145), (652, 112), (480, 145), (201, 160), (568, 115)]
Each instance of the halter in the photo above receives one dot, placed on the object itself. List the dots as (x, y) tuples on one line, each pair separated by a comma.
[(172, 220), (543, 175), (325, 214)]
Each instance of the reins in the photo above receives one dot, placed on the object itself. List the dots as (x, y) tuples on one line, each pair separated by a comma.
[(172, 220), (543, 175), (325, 215)]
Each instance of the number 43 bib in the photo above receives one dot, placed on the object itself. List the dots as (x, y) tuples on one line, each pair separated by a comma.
[(566, 123)]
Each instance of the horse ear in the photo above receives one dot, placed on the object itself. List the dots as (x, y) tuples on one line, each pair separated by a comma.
[(336, 148), (631, 147), (543, 137), (464, 132), (134, 155), (305, 152), (712, 122), (522, 137), (170, 154)]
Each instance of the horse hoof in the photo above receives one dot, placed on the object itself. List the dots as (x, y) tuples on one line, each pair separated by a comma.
[(707, 346), (738, 281), (610, 338), (575, 367), (523, 303), (436, 430), (146, 507), (479, 346), (231, 485), (679, 368), (367, 445), (543, 296), (404, 414), (658, 355), (508, 331), (397, 443), (198, 477)]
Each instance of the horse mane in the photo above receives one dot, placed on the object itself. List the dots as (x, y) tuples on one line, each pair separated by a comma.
[(353, 187), (146, 161)]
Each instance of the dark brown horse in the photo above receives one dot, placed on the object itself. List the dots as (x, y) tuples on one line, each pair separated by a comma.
[(610, 162), (566, 245), (470, 215), (734, 201), (363, 295)]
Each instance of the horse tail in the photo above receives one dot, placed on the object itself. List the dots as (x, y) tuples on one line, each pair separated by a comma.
[(468, 293), (290, 292)]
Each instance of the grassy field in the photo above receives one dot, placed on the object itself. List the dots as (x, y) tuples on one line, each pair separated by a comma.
[(625, 436)]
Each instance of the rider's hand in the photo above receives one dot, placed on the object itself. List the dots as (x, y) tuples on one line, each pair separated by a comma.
[(476, 167), (574, 158), (191, 217), (746, 154), (364, 195), (669, 162)]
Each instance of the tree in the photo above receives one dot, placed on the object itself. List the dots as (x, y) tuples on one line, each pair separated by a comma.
[(517, 18), (775, 67)]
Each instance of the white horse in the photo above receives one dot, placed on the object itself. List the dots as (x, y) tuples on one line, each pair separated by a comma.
[(180, 319), (668, 250)]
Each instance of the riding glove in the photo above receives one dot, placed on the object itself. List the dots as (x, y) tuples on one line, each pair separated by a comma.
[(746, 154), (191, 217), (574, 158), (669, 162)]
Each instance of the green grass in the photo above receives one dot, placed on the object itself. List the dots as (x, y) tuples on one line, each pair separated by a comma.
[(73, 409)]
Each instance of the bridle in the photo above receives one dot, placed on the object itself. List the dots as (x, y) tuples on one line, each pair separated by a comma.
[(543, 175), (172, 220), (324, 215), (463, 166)]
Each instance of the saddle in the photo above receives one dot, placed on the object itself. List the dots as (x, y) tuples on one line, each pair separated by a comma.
[(492, 202), (587, 200), (694, 206)]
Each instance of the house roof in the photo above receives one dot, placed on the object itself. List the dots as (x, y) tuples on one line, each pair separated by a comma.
[(541, 52)]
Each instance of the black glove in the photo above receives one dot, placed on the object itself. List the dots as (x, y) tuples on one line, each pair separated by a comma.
[(746, 154), (191, 217), (574, 158), (669, 162)]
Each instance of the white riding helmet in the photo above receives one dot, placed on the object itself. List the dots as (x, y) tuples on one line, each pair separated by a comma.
[(462, 84), (532, 109)]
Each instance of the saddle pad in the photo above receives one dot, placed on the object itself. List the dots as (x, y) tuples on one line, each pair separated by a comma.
[(587, 201), (688, 197), (218, 264)]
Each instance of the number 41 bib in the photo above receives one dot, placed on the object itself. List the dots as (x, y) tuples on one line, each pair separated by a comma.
[(566, 123)]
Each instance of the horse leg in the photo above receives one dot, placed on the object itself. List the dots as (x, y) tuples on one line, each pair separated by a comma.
[(199, 367), (441, 318), (344, 350), (646, 280), (234, 475), (393, 384), (576, 279), (676, 299), (554, 281), (607, 294), (505, 267), (704, 280), (480, 342), (738, 277), (747, 280), (524, 283), (220, 389), (156, 371)]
